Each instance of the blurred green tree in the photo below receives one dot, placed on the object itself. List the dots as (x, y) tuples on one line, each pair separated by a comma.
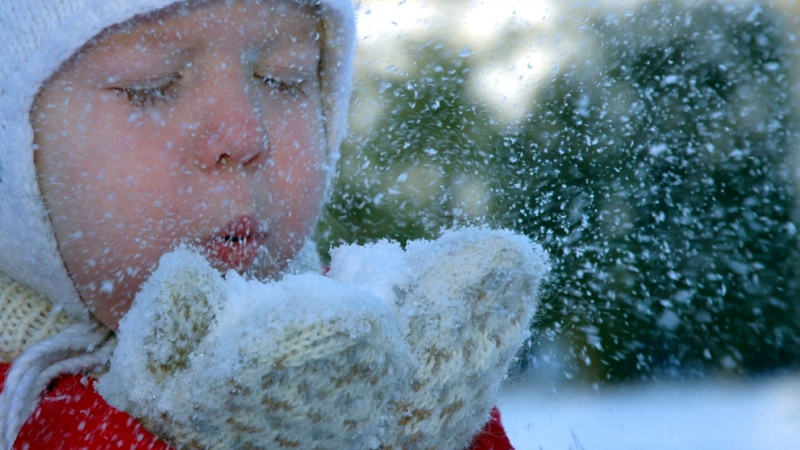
[(656, 171)]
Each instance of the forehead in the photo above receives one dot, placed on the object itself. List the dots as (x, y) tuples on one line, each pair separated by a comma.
[(281, 22)]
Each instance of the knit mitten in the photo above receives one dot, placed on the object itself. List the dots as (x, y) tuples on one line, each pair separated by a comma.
[(393, 350), (464, 312), (207, 362)]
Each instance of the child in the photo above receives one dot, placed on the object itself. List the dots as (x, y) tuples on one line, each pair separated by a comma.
[(130, 127)]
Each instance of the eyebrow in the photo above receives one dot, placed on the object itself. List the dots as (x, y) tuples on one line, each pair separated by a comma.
[(134, 36), (153, 36)]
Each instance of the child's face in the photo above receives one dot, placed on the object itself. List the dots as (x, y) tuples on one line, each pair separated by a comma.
[(203, 125)]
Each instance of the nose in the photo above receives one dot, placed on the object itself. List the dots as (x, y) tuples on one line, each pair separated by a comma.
[(232, 132)]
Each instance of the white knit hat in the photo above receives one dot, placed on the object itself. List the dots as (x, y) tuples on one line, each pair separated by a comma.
[(37, 38)]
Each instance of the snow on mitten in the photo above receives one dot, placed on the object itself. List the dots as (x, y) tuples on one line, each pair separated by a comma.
[(207, 362), (463, 303)]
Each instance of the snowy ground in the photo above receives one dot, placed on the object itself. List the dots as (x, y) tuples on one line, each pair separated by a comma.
[(763, 415)]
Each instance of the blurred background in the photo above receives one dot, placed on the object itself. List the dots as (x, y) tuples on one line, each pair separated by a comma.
[(650, 146)]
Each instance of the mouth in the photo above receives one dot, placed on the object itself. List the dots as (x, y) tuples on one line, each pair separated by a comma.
[(237, 245)]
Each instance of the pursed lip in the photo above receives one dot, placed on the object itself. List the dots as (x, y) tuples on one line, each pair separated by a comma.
[(237, 245)]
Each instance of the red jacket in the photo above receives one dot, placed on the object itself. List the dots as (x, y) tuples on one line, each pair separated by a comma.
[(73, 416)]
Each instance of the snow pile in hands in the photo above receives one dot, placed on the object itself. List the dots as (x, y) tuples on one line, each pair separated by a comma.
[(392, 349)]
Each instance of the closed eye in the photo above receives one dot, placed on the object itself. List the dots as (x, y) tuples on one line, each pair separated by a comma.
[(293, 88), (142, 97)]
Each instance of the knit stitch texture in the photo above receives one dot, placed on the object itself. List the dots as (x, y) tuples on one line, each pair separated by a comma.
[(26, 317), (411, 358)]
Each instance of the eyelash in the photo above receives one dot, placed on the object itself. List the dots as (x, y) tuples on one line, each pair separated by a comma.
[(295, 89), (144, 97)]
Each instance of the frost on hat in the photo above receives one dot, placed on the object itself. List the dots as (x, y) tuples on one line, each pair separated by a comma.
[(38, 36)]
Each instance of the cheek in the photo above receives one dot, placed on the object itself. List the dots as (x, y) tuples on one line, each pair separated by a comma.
[(112, 203), (296, 190), (305, 183), (297, 176)]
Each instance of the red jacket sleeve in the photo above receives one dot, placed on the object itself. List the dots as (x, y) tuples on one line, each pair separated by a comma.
[(493, 436), (73, 416)]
